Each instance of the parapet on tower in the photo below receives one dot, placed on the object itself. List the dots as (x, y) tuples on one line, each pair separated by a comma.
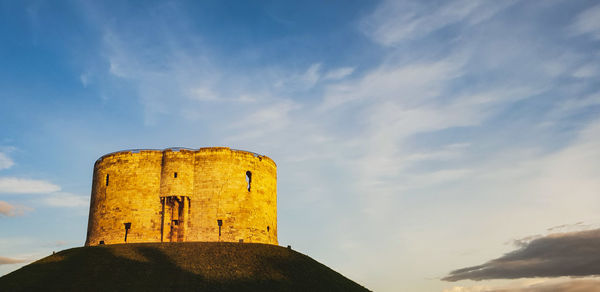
[(178, 195)]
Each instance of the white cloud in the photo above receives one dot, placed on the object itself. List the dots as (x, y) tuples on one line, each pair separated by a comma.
[(586, 71), (247, 98), (164, 76), (447, 152), (9, 261), (572, 171), (275, 114), (5, 161), (116, 69), (54, 198), (10, 210), (312, 75), (393, 103), (295, 81), (396, 21), (265, 120), (339, 73), (588, 22), (62, 199), (411, 83), (26, 186), (570, 106), (564, 181), (203, 94), (85, 79)]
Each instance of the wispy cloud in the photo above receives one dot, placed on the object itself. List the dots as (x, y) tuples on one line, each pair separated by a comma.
[(275, 115), (85, 79), (586, 71), (53, 197), (10, 261), (163, 76), (298, 81), (446, 152), (577, 103), (396, 21), (26, 186), (203, 94), (395, 102), (11, 210), (5, 161), (339, 73), (61, 199), (588, 23), (311, 76), (411, 84)]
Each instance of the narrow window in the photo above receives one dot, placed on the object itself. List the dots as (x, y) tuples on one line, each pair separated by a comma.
[(175, 175), (107, 179), (127, 227), (268, 228), (220, 223), (249, 179)]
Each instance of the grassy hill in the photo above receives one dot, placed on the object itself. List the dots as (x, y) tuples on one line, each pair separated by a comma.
[(189, 266)]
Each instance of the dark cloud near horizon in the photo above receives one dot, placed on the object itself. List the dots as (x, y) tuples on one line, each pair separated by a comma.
[(564, 254), (8, 261)]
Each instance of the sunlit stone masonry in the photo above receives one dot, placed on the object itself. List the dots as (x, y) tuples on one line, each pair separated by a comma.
[(179, 195)]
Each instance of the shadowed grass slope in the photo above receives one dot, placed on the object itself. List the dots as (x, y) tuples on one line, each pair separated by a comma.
[(189, 266)]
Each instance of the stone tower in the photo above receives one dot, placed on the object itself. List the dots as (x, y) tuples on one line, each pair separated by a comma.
[(177, 195)]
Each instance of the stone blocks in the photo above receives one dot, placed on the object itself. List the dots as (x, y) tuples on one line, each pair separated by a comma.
[(180, 194)]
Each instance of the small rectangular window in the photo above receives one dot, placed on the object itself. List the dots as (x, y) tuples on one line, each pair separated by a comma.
[(107, 179), (175, 175)]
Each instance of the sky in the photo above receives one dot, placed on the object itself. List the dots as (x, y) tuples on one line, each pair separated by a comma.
[(421, 145)]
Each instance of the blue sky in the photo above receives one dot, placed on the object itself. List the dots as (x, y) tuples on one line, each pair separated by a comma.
[(412, 138)]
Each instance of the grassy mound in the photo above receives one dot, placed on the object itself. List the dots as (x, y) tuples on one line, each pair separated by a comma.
[(189, 266)]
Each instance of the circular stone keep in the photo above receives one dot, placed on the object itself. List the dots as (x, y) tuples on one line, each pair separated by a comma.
[(181, 195)]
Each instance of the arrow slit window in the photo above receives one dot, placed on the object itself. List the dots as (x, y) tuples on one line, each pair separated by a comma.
[(249, 179)]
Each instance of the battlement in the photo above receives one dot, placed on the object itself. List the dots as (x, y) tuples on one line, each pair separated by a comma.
[(180, 194), (177, 149)]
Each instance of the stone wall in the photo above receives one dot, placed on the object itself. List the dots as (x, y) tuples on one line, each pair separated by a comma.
[(183, 195)]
